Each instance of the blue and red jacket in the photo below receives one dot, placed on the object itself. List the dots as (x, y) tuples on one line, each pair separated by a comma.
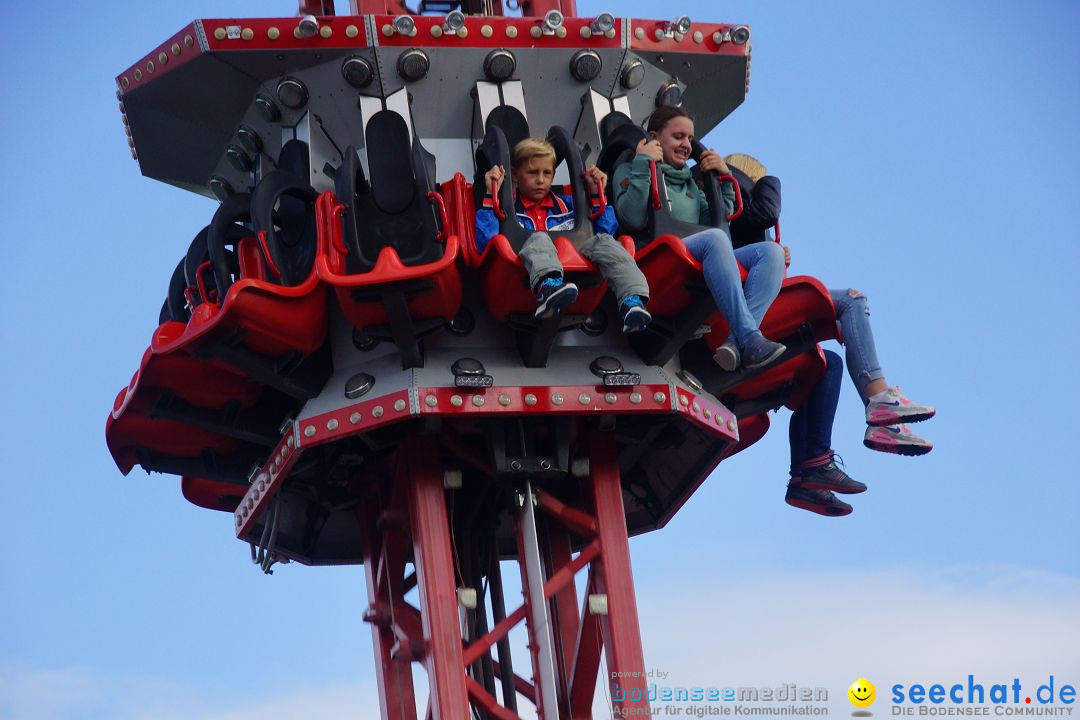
[(554, 212)]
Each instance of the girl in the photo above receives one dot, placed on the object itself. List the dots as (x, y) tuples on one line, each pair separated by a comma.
[(671, 129)]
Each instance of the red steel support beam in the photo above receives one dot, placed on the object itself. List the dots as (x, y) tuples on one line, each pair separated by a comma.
[(538, 8), (316, 7), (420, 467), (613, 575), (384, 565), (377, 7)]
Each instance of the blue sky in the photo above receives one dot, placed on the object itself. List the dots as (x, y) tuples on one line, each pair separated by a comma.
[(930, 157)]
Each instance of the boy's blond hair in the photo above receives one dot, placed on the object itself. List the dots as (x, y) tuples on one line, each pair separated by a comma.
[(529, 148)]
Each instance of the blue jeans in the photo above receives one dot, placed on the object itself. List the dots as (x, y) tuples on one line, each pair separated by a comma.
[(743, 308), (810, 430), (853, 317)]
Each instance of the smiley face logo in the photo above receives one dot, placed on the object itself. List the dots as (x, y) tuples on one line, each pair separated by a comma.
[(862, 693)]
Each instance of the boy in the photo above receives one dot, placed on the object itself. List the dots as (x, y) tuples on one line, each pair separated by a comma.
[(539, 209)]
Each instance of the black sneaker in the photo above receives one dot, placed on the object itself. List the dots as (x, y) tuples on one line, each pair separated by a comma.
[(759, 352), (821, 502), (634, 315), (828, 476), (553, 295)]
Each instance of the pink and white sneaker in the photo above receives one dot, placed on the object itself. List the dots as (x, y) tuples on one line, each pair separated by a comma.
[(897, 439), (891, 407)]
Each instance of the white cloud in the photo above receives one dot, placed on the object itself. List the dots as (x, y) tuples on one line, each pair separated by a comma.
[(67, 694), (829, 629), (814, 629)]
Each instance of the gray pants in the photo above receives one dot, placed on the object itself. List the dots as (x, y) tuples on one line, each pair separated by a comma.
[(616, 265)]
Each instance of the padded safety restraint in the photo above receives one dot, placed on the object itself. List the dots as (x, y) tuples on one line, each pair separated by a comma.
[(175, 302), (391, 209), (230, 224), (197, 254), (392, 186)]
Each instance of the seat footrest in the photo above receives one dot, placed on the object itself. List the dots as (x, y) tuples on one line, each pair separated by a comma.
[(257, 424), (291, 373)]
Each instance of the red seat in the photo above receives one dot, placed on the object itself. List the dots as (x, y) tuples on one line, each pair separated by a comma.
[(135, 437), (802, 315), (505, 283), (261, 330), (390, 293), (178, 408), (211, 494)]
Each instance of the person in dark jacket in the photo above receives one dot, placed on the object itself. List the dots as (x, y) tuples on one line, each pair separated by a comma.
[(761, 201)]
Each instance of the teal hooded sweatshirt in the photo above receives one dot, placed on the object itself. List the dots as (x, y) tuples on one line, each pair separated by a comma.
[(687, 201)]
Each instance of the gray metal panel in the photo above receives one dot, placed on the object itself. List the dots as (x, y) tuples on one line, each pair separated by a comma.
[(322, 150), (385, 368), (713, 85), (181, 129)]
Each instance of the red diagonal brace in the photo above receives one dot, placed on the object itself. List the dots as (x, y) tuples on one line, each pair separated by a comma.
[(578, 521), (553, 584), (483, 698)]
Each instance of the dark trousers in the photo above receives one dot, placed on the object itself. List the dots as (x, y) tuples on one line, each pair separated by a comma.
[(810, 431)]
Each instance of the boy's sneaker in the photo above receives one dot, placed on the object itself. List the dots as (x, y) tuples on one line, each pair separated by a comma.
[(827, 476), (727, 355), (896, 439), (635, 317), (553, 295), (891, 407), (821, 502), (760, 351)]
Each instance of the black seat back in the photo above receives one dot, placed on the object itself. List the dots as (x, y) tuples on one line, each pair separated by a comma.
[(197, 254), (510, 120), (231, 223), (391, 209), (175, 307), (283, 207)]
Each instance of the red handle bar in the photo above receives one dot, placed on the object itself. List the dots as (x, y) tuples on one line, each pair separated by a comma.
[(654, 189), (495, 201), (603, 202), (738, 195), (335, 233), (443, 218), (199, 280), (266, 254)]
